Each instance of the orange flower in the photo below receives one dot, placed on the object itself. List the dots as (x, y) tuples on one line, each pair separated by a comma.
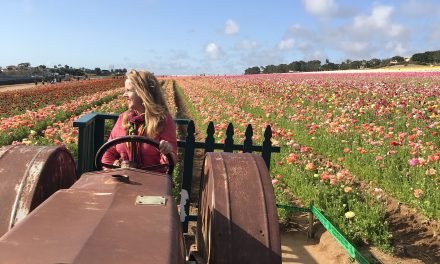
[(310, 166), (292, 158), (418, 193)]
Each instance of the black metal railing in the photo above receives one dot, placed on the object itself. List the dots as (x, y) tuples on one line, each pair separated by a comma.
[(91, 138)]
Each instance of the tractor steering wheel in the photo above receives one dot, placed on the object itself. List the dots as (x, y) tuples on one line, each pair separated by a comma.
[(140, 139)]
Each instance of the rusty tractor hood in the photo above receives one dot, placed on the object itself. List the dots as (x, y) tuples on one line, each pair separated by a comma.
[(116, 216)]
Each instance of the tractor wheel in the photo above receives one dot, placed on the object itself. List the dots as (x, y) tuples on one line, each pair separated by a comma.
[(28, 176), (237, 216)]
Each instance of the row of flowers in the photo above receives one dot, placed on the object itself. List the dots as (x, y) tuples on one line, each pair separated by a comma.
[(326, 129), (18, 101), (17, 127), (63, 133)]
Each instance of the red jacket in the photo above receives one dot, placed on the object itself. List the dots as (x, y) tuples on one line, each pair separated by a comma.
[(147, 155)]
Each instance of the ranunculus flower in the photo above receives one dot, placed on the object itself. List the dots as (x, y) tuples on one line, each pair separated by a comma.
[(292, 158), (413, 162), (430, 172), (350, 215), (418, 193), (310, 166), (395, 143), (348, 189)]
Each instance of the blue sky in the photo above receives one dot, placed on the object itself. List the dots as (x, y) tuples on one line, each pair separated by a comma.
[(212, 37)]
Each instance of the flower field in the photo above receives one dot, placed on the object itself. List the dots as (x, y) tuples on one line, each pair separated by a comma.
[(18, 101), (348, 141), (51, 123)]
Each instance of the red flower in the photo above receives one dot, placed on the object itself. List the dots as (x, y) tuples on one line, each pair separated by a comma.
[(395, 143)]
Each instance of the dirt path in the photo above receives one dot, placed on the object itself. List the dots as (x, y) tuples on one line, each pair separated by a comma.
[(4, 88)]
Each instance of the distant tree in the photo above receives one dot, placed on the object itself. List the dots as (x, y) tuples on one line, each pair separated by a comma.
[(253, 70), (420, 57), (427, 57), (270, 69), (98, 71), (330, 67), (398, 59), (373, 63), (283, 68), (355, 64), (344, 65), (23, 66), (297, 66), (313, 65)]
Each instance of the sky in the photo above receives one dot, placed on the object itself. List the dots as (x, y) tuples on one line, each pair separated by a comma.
[(212, 37)]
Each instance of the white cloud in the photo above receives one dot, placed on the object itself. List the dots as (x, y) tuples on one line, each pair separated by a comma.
[(286, 44), (354, 46), (213, 51), (231, 27), (320, 7), (379, 18), (417, 8), (247, 44), (396, 48), (379, 22), (261, 57)]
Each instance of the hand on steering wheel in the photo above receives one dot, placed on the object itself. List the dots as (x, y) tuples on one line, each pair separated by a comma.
[(140, 139)]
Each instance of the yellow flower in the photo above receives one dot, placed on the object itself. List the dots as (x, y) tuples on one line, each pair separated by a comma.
[(26, 141), (349, 214)]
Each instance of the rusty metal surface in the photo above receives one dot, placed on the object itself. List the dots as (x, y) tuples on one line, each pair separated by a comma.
[(98, 221), (28, 176), (238, 220)]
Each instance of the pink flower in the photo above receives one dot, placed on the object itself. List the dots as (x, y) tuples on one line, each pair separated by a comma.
[(413, 162), (274, 182)]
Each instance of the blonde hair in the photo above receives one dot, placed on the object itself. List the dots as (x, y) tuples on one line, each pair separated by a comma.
[(149, 90)]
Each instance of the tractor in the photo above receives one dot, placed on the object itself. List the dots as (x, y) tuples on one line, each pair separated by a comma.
[(58, 210)]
